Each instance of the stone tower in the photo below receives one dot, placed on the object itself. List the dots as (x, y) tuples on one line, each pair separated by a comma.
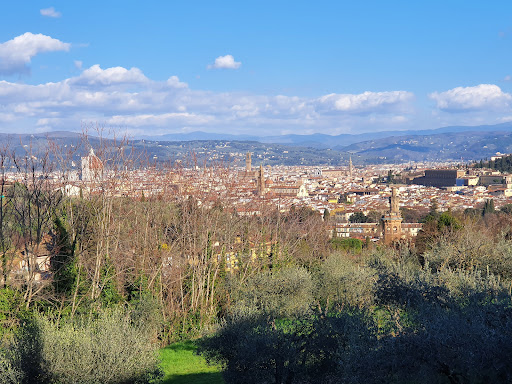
[(261, 181), (350, 168), (248, 162), (394, 202), (392, 221)]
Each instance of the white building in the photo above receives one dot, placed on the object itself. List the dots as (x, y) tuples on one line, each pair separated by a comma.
[(92, 167)]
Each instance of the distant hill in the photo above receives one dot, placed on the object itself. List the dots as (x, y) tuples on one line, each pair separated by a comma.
[(198, 135), (443, 144), (70, 146), (59, 145), (319, 140), (453, 143)]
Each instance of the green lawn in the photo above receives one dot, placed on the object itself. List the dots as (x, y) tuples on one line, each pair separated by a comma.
[(182, 366)]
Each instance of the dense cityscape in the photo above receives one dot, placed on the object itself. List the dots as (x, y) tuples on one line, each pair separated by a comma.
[(333, 192)]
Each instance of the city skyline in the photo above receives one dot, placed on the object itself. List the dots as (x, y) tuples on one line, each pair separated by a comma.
[(262, 68)]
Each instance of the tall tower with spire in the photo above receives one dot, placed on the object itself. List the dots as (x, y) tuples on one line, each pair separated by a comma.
[(350, 168), (392, 221)]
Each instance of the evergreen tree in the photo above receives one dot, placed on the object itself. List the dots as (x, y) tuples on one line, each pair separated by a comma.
[(502, 164), (391, 177), (326, 214), (359, 217), (63, 263), (488, 207)]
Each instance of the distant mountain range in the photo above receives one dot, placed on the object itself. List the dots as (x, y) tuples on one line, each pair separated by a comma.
[(458, 146), (443, 144), (319, 140)]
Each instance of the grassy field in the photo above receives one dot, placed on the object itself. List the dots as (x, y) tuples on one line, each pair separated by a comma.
[(182, 366)]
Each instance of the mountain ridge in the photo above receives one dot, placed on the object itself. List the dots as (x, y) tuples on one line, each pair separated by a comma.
[(443, 144), (320, 140)]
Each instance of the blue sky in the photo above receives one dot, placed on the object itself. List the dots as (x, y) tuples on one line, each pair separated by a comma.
[(258, 67)]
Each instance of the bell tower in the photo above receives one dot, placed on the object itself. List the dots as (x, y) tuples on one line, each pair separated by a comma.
[(261, 181), (392, 221), (248, 162)]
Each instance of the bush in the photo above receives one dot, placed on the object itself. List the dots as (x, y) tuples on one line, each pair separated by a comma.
[(260, 349), (471, 248), (109, 348), (11, 311), (343, 283), (354, 245), (441, 345), (9, 374), (283, 293)]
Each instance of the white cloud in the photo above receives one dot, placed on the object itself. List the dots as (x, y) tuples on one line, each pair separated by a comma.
[(78, 64), (95, 76), (367, 102), (505, 119), (163, 119), (126, 97), (225, 62), (479, 98), (16, 54), (50, 12), (7, 117), (175, 82)]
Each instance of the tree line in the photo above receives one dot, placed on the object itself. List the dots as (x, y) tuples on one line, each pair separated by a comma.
[(502, 164)]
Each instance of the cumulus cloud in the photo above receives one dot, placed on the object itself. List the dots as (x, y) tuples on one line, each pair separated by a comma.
[(225, 62), (16, 54), (367, 102), (175, 82), (479, 98), (126, 97), (95, 76), (50, 12)]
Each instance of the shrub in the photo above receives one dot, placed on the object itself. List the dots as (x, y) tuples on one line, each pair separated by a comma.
[(283, 293), (354, 245), (261, 349), (457, 345), (471, 248), (9, 374), (11, 311), (110, 348), (341, 282)]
